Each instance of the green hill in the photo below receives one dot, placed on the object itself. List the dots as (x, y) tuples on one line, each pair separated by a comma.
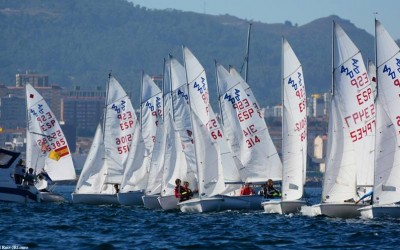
[(77, 42)]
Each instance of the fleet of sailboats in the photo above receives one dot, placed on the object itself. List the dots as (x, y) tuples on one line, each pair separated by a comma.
[(178, 136)]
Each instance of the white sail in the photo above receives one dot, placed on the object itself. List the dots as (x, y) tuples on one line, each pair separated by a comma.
[(136, 172), (294, 122), (157, 158), (200, 103), (209, 162), (151, 106), (119, 126), (175, 164), (93, 175), (350, 153), (181, 112), (47, 146), (387, 159), (253, 146)]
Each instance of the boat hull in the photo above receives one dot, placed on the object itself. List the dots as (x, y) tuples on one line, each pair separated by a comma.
[(95, 199), (52, 197), (277, 206), (133, 198), (341, 210), (151, 201), (20, 194), (169, 202), (243, 202), (203, 205), (380, 211)]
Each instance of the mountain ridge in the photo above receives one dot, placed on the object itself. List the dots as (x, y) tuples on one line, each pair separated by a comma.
[(78, 42)]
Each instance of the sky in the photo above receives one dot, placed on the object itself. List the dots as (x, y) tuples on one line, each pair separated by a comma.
[(359, 12)]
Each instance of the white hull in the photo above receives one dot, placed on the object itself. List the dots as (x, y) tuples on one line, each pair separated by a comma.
[(151, 201), (20, 194), (341, 210), (133, 198), (380, 211), (277, 206), (243, 202), (169, 202), (203, 205), (95, 199), (52, 197)]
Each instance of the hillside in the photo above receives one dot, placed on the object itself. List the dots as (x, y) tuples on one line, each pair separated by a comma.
[(77, 42)]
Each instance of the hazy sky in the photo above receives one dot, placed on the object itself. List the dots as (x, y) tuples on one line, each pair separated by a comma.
[(359, 12)]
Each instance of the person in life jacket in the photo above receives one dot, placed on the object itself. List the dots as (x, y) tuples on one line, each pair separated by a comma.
[(188, 190), (180, 191), (270, 191), (247, 190)]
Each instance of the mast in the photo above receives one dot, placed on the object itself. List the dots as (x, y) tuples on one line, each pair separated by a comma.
[(333, 60), (218, 92), (106, 103), (170, 80), (191, 119), (141, 102), (283, 102), (163, 89), (247, 53)]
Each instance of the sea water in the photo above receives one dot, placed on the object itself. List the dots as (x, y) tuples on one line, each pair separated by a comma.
[(79, 226)]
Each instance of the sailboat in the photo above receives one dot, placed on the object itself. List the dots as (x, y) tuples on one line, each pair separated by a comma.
[(351, 131), (10, 191), (253, 146), (386, 190), (136, 175), (209, 171), (200, 105), (104, 167), (153, 188), (294, 136), (47, 148)]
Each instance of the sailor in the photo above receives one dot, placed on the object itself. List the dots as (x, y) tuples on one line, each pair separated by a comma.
[(29, 178), (270, 191), (247, 190), (370, 193), (189, 194), (180, 192)]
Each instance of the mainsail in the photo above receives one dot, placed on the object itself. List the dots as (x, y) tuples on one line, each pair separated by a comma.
[(47, 147), (387, 158), (253, 146), (200, 103), (349, 162), (119, 126), (294, 122)]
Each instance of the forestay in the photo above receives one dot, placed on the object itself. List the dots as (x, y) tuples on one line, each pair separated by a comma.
[(47, 146), (294, 122)]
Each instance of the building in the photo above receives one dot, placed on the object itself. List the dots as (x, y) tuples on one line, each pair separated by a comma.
[(36, 80), (83, 109)]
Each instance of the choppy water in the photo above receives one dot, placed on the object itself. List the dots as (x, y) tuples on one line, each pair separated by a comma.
[(77, 226)]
